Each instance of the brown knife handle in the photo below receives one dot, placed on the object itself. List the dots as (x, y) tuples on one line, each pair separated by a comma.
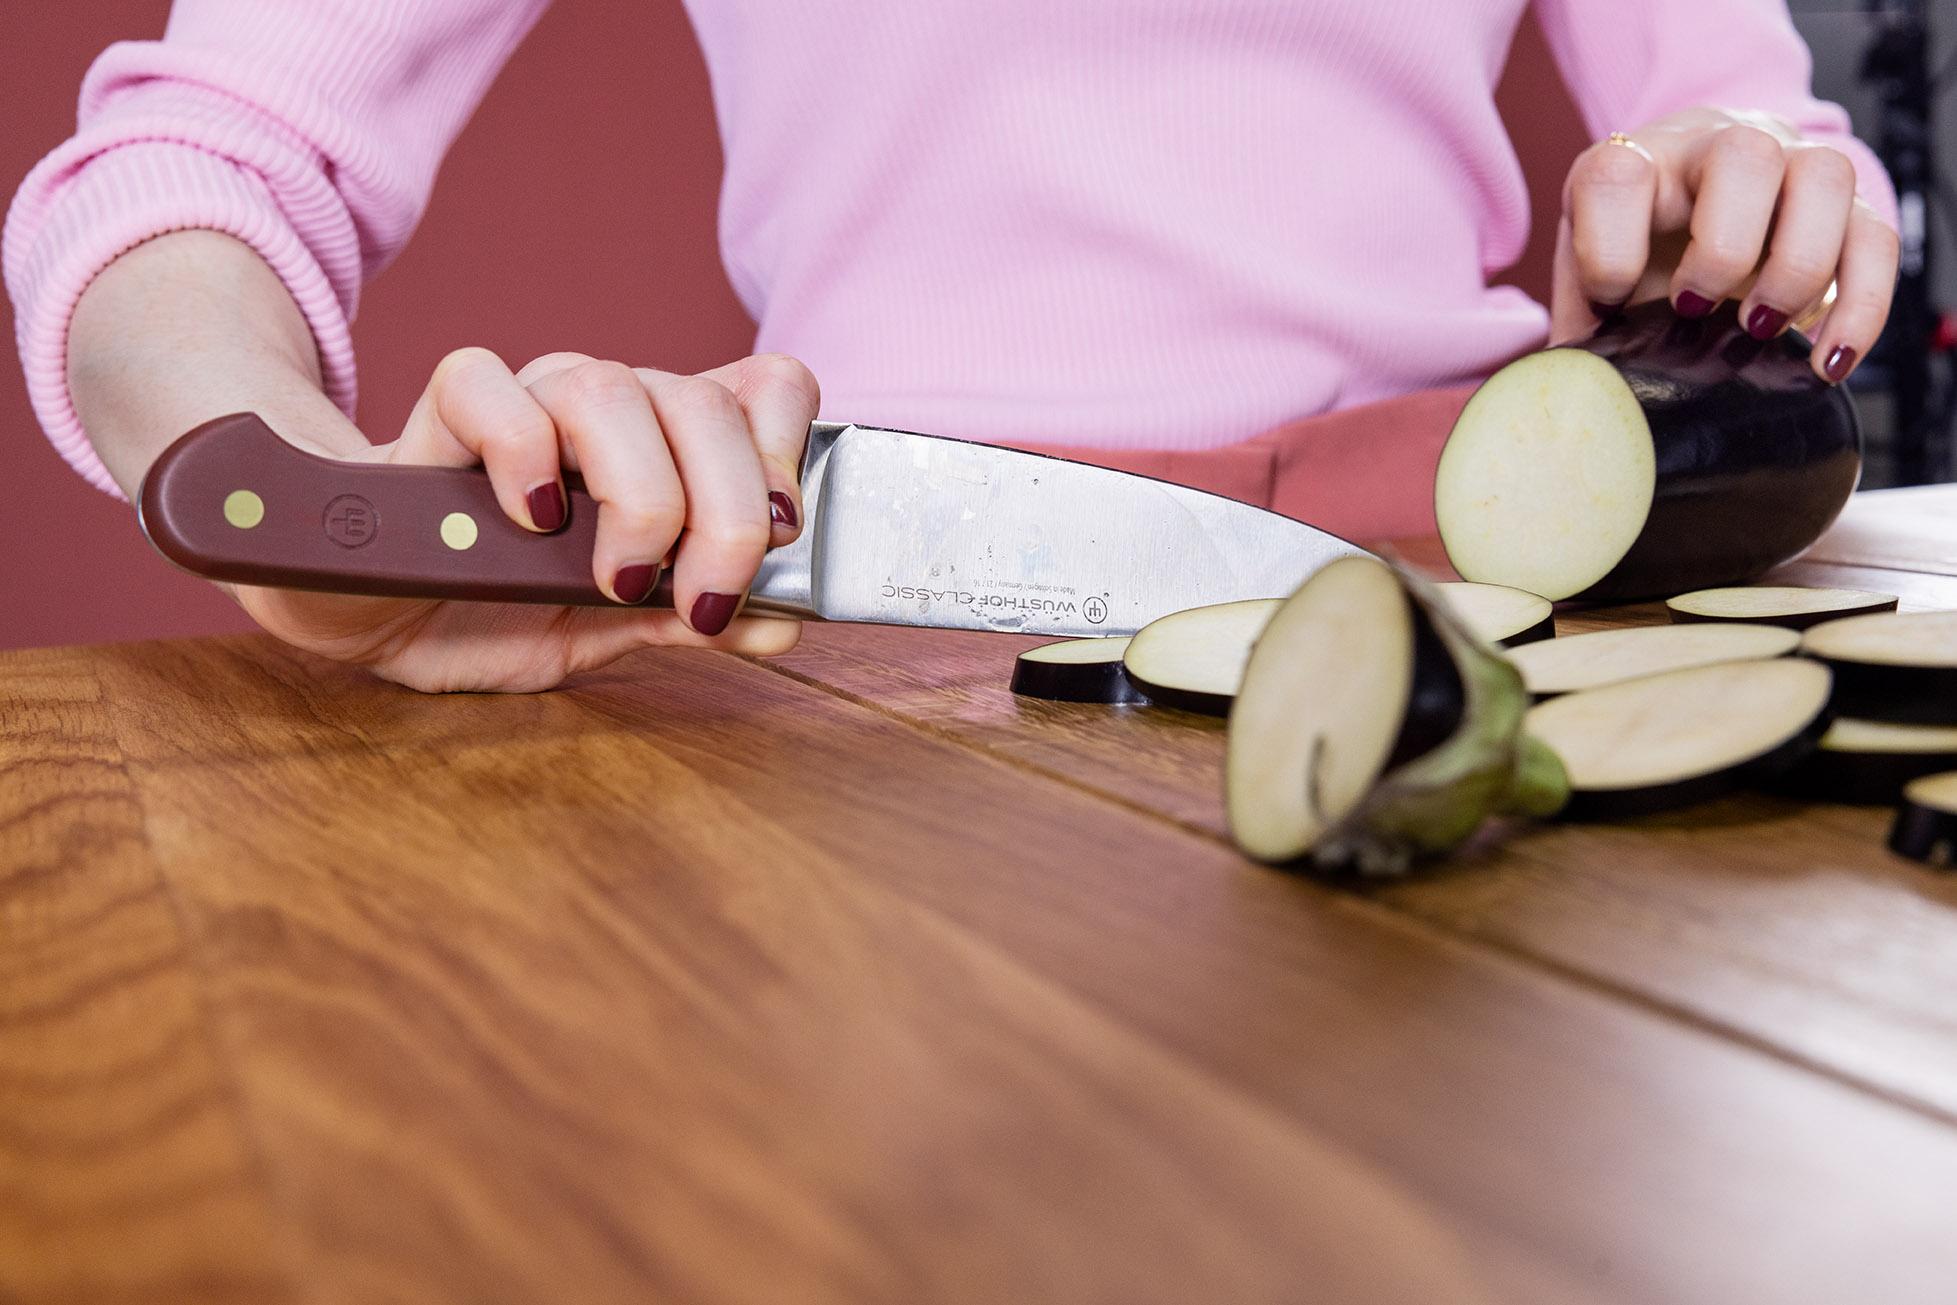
[(233, 501)]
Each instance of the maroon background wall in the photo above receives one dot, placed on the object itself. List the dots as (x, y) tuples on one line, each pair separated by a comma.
[(576, 211)]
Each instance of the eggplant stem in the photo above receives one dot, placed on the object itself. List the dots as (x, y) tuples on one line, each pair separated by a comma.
[(1540, 787)]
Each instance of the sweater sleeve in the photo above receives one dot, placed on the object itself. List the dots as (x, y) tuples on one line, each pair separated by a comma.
[(311, 130), (1629, 62)]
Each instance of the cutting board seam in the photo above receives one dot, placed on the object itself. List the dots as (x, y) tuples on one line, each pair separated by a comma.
[(1422, 926)]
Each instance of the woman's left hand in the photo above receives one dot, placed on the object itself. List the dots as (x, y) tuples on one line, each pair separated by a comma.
[(1691, 206)]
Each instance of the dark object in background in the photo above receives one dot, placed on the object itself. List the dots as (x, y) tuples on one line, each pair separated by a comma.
[(1926, 822)]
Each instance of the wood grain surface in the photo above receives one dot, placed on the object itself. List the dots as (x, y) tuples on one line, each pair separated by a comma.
[(850, 977)]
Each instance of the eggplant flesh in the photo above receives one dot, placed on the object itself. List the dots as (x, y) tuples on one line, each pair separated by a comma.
[(1683, 737), (1926, 821), (1194, 660), (1662, 454), (1505, 616), (1603, 657), (1792, 607), (1077, 670)]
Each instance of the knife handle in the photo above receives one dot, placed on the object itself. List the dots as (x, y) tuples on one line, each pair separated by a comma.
[(230, 500)]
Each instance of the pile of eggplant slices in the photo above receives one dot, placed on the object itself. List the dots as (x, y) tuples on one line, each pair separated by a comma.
[(1376, 718)]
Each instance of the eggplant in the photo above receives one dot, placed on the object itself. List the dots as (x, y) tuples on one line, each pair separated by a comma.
[(1660, 455), (1591, 661), (1796, 607), (1501, 614), (1077, 670), (1893, 666), (1670, 740), (1926, 822), (1374, 728), (1866, 762)]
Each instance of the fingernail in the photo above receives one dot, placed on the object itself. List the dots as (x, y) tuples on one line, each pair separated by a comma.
[(1690, 304), (1604, 312), (1841, 361), (546, 503), (712, 612), (1764, 323), (781, 509), (633, 583)]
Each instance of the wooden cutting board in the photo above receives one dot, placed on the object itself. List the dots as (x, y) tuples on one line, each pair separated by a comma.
[(850, 977)]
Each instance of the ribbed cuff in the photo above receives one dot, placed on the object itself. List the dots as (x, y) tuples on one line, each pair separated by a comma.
[(113, 202)]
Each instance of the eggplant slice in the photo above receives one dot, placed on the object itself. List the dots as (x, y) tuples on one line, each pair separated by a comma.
[(1195, 659), (1499, 613), (1793, 606), (1893, 666), (1591, 661), (1076, 670), (1926, 823), (1868, 762), (1373, 728), (1661, 454), (1687, 736)]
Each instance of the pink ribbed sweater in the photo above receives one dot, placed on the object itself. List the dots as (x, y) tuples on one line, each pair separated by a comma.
[(1162, 224)]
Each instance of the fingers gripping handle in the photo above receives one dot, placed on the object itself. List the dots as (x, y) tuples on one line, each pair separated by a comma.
[(232, 501)]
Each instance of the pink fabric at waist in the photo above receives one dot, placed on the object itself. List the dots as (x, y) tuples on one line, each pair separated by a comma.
[(1365, 473)]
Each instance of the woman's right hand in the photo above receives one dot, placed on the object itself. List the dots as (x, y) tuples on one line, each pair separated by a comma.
[(699, 470), (696, 471)]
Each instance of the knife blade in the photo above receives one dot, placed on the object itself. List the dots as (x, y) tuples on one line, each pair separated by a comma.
[(901, 529)]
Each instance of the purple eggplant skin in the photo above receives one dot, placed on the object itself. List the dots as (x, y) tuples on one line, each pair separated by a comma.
[(1756, 455), (1437, 702), (1924, 834), (1864, 779), (1106, 683)]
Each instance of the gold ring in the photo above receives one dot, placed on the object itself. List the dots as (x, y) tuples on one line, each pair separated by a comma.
[(1619, 138)]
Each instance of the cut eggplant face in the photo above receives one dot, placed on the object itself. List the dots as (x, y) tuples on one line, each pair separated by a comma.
[(1661, 454), (1373, 728), (1792, 606), (1893, 666), (1669, 740), (1321, 709), (1590, 661), (1195, 659), (1499, 614), (1548, 475), (1926, 825), (1869, 762), (1076, 670)]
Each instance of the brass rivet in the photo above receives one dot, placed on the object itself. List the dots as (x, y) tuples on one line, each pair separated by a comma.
[(459, 531), (243, 509)]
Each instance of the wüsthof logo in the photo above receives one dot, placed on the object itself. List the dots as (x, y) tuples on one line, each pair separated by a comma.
[(1094, 610), (351, 521)]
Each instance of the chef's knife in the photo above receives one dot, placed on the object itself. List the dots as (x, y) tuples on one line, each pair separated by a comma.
[(901, 529)]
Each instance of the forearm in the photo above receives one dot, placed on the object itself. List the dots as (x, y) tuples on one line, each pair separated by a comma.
[(186, 327)]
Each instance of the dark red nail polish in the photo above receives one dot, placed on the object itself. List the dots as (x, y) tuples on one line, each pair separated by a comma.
[(781, 509), (1690, 304), (633, 583), (1764, 323), (1841, 361), (546, 503), (1604, 312), (712, 612)]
